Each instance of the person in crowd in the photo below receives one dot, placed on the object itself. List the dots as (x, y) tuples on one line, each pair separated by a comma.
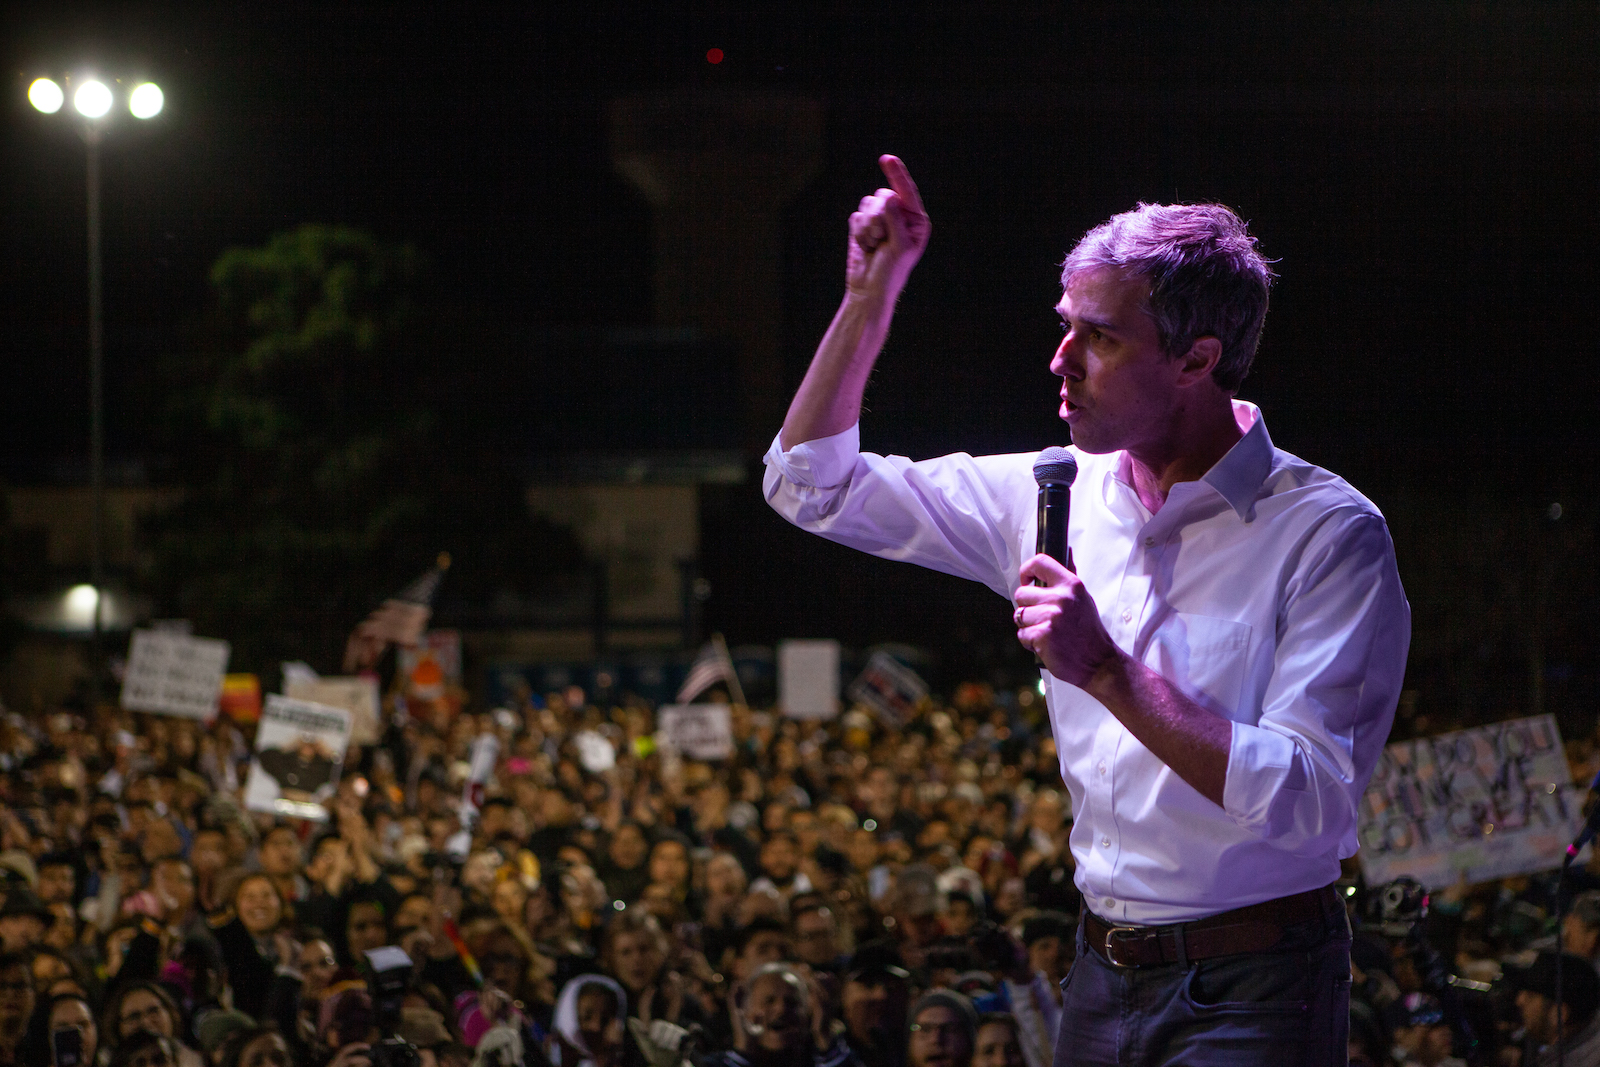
[(1580, 928), (944, 1030), (873, 1003), (72, 1011), (814, 932), (145, 1007), (999, 1043), (589, 1028), (249, 939), (17, 1000), (1565, 1030), (23, 920), (780, 1021)]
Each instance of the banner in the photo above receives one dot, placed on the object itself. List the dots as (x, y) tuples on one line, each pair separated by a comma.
[(357, 694), (1489, 802), (699, 731), (300, 750), (808, 679), (174, 674), (890, 688)]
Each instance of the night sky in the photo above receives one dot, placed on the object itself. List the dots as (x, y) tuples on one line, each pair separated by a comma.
[(1425, 174)]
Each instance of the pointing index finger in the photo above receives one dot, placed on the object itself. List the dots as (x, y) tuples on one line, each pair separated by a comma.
[(900, 181)]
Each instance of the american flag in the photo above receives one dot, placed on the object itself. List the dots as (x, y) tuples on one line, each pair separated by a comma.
[(711, 666), (400, 621)]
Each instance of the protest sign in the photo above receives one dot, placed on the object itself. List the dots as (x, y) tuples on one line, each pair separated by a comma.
[(300, 750), (890, 688), (441, 646), (241, 698), (356, 693), (174, 674), (699, 731), (808, 679), (1489, 802)]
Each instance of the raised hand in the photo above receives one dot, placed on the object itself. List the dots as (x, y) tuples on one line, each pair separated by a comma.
[(888, 233)]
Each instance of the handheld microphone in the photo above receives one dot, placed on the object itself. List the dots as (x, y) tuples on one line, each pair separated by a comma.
[(1054, 470), (1591, 826)]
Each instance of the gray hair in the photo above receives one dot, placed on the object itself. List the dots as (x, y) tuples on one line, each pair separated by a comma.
[(1206, 277)]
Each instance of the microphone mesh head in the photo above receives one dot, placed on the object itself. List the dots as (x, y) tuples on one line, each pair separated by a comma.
[(1055, 466)]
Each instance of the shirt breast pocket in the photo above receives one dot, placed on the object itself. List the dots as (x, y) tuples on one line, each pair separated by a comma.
[(1204, 657)]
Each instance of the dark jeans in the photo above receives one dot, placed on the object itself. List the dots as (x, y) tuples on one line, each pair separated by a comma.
[(1288, 1007)]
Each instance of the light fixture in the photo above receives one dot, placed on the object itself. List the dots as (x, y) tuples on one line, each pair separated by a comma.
[(46, 95), (145, 101), (92, 100)]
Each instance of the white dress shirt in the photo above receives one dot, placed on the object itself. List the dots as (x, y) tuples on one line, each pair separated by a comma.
[(1266, 592)]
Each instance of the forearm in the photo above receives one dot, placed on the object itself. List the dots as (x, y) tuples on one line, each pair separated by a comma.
[(829, 398), (1180, 733)]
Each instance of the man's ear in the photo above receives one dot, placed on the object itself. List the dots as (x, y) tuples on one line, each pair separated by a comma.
[(1200, 360)]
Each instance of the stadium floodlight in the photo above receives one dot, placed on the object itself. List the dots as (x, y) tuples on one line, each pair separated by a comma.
[(46, 95), (145, 101), (92, 100)]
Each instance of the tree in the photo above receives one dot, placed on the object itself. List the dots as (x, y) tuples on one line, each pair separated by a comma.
[(323, 463)]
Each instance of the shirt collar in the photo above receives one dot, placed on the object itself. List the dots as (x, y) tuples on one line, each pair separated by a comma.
[(1238, 476)]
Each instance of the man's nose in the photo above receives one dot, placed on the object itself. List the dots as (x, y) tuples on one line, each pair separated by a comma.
[(1067, 362)]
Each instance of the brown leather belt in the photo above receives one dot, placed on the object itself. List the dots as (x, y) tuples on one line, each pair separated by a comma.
[(1253, 928)]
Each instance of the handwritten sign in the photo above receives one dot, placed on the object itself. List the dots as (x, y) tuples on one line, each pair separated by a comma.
[(300, 750), (174, 674), (699, 731), (1488, 802)]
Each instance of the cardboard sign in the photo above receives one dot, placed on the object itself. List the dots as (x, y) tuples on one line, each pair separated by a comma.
[(1488, 802), (355, 693), (699, 731), (890, 688), (174, 674), (300, 750), (808, 679)]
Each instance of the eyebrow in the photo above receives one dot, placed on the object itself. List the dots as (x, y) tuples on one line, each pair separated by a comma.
[(1107, 327)]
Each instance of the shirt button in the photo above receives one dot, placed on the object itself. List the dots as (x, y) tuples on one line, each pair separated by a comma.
[(1111, 902), (1149, 542), (1102, 768), (1105, 841), (1127, 616)]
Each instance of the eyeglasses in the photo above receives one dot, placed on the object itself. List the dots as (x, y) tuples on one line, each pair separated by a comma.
[(15, 987), (321, 961)]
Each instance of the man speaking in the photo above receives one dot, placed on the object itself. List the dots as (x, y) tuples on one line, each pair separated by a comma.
[(1223, 658)]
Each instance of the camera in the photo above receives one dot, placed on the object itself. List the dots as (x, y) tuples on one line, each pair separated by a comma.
[(388, 976)]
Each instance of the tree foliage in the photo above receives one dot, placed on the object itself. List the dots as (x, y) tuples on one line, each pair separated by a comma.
[(323, 462)]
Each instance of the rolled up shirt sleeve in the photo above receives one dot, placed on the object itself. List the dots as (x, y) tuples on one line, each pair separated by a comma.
[(954, 514), (1296, 776)]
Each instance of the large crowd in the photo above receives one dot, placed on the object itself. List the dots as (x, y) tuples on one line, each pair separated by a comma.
[(835, 893)]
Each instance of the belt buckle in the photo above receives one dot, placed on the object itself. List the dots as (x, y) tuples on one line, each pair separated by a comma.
[(1110, 941)]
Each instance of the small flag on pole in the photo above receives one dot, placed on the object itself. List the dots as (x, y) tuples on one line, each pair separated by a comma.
[(400, 621), (711, 666)]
